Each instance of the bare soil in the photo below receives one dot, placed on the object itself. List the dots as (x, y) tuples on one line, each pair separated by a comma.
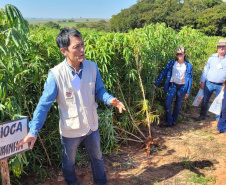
[(189, 153)]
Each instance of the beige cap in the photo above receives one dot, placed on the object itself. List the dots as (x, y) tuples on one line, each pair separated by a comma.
[(222, 42), (180, 50)]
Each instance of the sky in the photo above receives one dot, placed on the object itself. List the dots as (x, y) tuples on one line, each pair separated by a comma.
[(57, 9)]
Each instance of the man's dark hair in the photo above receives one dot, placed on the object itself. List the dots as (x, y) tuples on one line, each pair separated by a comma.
[(63, 38)]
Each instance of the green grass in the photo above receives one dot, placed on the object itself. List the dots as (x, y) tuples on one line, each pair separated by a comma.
[(200, 179), (204, 133), (69, 24)]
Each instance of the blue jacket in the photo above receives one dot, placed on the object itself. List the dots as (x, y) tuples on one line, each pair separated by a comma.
[(168, 71)]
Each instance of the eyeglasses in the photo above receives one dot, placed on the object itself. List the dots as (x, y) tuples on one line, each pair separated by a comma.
[(180, 54), (221, 46)]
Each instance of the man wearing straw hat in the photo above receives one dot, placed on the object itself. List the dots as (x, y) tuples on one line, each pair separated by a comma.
[(213, 77)]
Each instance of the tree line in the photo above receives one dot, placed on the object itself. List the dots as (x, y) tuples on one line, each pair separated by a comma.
[(206, 15), (101, 25)]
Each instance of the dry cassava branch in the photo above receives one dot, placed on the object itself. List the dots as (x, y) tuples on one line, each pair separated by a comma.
[(139, 139), (127, 108)]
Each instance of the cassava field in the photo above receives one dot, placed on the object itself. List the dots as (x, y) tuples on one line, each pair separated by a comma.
[(135, 149)]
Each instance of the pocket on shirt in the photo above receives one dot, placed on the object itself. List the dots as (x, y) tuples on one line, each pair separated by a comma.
[(92, 88), (91, 92), (70, 118)]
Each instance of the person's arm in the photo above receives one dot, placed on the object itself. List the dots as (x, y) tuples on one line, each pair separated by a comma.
[(48, 97), (223, 87), (189, 83), (163, 74), (102, 95), (202, 85), (100, 92), (204, 74)]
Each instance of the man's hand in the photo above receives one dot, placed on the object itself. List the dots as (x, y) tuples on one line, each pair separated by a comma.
[(202, 85), (186, 96), (154, 87), (115, 102), (28, 139)]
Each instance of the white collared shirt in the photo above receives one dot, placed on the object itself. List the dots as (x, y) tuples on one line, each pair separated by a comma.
[(178, 73)]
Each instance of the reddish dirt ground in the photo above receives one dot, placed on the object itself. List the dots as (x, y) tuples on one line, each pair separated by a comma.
[(189, 153)]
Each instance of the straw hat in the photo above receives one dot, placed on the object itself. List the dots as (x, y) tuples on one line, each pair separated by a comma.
[(222, 42), (180, 50)]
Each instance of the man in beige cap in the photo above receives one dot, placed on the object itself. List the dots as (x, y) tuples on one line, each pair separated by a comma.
[(213, 76)]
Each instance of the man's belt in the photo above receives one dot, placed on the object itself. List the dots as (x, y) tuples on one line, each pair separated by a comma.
[(216, 83)]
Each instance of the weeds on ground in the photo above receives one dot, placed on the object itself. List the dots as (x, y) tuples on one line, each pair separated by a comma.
[(204, 133), (200, 179)]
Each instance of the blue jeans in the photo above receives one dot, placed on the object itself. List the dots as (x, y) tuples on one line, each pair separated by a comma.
[(208, 91), (92, 144), (179, 92), (221, 126)]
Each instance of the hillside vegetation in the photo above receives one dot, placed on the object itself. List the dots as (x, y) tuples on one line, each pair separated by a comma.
[(209, 16)]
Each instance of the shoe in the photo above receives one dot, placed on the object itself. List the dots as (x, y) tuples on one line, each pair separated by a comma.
[(174, 124), (216, 132), (164, 125), (222, 132), (200, 118)]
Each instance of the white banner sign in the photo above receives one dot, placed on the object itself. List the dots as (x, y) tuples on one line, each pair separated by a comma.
[(11, 133)]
